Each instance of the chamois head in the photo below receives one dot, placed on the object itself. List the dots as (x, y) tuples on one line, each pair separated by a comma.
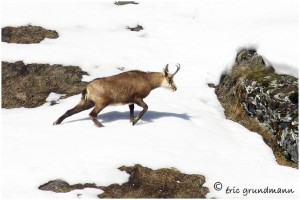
[(168, 78)]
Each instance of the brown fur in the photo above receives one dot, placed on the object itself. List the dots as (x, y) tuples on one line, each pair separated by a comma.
[(126, 88)]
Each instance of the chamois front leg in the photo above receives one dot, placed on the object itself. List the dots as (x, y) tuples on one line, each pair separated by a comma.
[(141, 103), (131, 108)]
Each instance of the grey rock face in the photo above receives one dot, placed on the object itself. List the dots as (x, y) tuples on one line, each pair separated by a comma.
[(270, 102), (270, 97)]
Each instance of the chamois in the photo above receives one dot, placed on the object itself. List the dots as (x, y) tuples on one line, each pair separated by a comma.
[(126, 88)]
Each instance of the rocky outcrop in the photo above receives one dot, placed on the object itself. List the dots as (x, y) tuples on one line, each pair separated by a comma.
[(26, 34), (254, 95), (143, 183), (29, 85)]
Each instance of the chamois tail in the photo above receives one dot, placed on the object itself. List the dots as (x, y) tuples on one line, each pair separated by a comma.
[(84, 94)]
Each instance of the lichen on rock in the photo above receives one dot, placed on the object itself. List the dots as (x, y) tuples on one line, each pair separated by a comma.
[(254, 95)]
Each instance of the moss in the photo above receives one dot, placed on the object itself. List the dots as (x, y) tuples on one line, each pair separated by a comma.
[(258, 68), (261, 74)]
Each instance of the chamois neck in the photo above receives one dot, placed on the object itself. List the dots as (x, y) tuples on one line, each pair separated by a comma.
[(155, 79)]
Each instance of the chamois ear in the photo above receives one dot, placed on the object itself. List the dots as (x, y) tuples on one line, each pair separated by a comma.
[(166, 70)]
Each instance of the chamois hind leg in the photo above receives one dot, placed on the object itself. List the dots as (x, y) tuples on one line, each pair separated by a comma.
[(81, 106), (95, 112), (131, 108), (141, 103)]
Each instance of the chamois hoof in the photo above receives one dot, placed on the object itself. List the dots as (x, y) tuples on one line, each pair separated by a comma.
[(56, 123), (99, 126), (134, 121)]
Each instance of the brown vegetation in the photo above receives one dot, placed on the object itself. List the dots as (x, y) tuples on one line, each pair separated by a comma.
[(29, 85), (143, 183), (26, 34)]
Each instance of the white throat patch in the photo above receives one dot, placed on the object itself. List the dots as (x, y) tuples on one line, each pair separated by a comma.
[(165, 84)]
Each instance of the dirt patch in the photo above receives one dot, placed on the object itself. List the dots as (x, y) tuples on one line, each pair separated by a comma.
[(264, 102), (29, 85), (26, 34), (144, 183)]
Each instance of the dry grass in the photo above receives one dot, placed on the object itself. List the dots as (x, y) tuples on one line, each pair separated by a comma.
[(29, 85), (26, 34), (143, 183)]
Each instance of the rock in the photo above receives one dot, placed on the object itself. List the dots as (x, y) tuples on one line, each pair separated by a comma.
[(56, 186), (60, 186), (27, 34), (137, 28), (121, 3), (143, 183), (29, 85), (254, 95)]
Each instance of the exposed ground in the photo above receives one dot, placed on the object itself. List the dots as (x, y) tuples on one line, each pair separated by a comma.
[(143, 183), (26, 34), (28, 85)]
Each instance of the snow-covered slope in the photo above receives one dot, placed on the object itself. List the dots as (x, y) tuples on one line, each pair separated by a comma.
[(186, 129)]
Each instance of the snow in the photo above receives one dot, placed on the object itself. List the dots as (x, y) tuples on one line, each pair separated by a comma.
[(53, 97), (185, 129)]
